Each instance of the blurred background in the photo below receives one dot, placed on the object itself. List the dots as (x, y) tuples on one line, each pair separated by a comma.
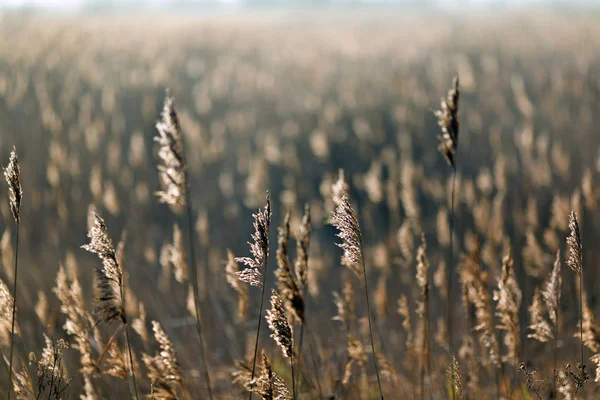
[(280, 95)]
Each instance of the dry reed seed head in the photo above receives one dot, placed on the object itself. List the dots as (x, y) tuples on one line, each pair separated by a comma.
[(455, 377), (552, 290), (259, 249), (22, 384), (279, 325), (172, 172), (448, 122), (286, 281), (139, 324), (173, 257), (388, 370), (591, 331), (6, 305), (404, 311), (268, 384), (508, 297), (12, 174), (110, 277), (163, 369), (231, 270), (422, 265), (302, 243), (76, 324), (575, 260), (89, 392), (345, 221), (346, 306), (541, 330), (115, 362)]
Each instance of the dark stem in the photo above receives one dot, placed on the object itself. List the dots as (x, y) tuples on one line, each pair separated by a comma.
[(121, 284), (364, 268), (14, 312), (312, 358), (555, 348), (262, 299), (450, 275), (299, 352), (293, 376), (195, 290), (581, 313)]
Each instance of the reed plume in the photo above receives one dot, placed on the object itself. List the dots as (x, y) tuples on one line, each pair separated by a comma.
[(173, 174), (109, 282), (164, 370), (282, 332), (287, 282), (256, 266), (575, 261), (345, 221), (448, 122), (12, 174), (422, 278)]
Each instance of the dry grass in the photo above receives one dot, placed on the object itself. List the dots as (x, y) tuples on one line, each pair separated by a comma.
[(279, 106)]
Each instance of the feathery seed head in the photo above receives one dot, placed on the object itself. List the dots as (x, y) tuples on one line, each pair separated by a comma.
[(279, 325), (448, 122), (172, 171), (12, 174), (575, 260), (259, 249)]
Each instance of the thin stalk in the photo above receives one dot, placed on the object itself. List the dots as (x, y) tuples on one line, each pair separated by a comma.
[(293, 376), (555, 348), (195, 290), (362, 260), (262, 299), (121, 284), (450, 282), (315, 365), (14, 312), (581, 313)]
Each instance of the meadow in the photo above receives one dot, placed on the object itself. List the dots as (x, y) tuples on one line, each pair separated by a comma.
[(397, 205)]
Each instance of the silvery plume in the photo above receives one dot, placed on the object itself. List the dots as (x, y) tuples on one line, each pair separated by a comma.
[(172, 171), (575, 260), (448, 122), (12, 174), (345, 220), (259, 248), (279, 325), (109, 278)]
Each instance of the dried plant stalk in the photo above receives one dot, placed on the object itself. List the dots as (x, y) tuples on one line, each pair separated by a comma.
[(345, 220)]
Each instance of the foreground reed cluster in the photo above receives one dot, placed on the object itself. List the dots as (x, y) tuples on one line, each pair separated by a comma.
[(402, 266)]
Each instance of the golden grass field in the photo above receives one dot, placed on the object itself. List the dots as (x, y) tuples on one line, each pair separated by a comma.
[(281, 102)]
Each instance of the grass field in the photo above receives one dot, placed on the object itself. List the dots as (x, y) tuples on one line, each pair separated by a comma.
[(280, 103)]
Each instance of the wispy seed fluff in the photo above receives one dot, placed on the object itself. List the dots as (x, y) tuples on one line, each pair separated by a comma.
[(252, 274), (574, 242), (345, 220), (302, 243), (279, 325), (109, 278), (508, 297), (448, 122), (12, 174), (172, 171), (286, 281), (163, 369), (6, 307)]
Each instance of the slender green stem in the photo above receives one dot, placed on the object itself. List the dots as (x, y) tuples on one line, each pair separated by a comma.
[(195, 290), (262, 298), (364, 268), (14, 312)]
